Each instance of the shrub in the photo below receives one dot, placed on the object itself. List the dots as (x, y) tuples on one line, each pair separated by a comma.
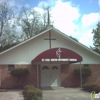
[(27, 87), (97, 89), (32, 93), (89, 87), (19, 74), (86, 71)]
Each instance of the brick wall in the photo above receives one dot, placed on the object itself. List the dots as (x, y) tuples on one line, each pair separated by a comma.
[(95, 77), (8, 80), (68, 79)]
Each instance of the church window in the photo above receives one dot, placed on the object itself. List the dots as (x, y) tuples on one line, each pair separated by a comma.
[(45, 67), (54, 67), (10, 67), (86, 65)]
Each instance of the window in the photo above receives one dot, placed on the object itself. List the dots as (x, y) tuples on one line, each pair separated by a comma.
[(10, 67), (54, 67), (45, 67), (86, 65)]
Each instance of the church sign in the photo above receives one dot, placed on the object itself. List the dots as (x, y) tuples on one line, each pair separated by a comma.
[(58, 54), (59, 59)]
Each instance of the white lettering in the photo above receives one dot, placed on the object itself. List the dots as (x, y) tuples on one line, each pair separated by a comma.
[(72, 59), (53, 59), (59, 60)]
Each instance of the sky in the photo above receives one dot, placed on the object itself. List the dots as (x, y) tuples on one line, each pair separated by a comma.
[(76, 18)]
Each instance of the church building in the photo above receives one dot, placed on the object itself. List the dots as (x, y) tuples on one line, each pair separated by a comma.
[(51, 58)]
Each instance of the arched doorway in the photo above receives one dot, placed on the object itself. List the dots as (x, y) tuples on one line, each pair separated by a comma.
[(50, 65)]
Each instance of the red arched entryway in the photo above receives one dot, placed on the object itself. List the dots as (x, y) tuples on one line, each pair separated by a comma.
[(53, 55)]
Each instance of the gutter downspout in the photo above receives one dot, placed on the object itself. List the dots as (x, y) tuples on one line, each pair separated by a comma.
[(0, 77), (37, 76), (81, 76)]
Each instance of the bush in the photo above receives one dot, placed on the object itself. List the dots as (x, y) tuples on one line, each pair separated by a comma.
[(32, 93), (97, 89), (20, 72), (27, 87), (89, 87), (86, 71)]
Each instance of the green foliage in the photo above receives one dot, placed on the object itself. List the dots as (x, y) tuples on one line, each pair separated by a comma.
[(7, 46), (32, 93), (28, 87), (86, 71), (31, 26), (20, 72), (97, 89), (8, 33), (96, 38), (89, 87)]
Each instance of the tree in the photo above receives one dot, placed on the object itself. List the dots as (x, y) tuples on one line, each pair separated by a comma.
[(8, 34), (19, 74), (86, 71), (30, 21), (6, 14), (96, 39)]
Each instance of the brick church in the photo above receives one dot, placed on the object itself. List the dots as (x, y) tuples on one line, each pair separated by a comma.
[(50, 57)]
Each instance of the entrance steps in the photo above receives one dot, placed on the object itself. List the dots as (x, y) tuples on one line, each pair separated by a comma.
[(53, 88)]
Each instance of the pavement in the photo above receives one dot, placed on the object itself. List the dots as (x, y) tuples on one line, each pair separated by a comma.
[(11, 95), (61, 93), (50, 93)]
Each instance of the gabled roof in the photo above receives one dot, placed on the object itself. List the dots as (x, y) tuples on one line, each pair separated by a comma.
[(82, 45), (59, 32), (25, 41)]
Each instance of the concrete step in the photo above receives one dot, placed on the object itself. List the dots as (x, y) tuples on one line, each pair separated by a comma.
[(53, 88)]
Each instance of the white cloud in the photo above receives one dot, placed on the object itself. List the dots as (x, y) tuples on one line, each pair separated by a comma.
[(88, 23), (64, 15), (41, 11), (43, 4), (89, 20), (87, 38)]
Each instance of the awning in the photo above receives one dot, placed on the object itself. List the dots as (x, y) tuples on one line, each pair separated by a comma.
[(58, 55)]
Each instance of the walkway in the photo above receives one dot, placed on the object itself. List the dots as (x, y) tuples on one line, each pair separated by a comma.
[(55, 93), (11, 95), (65, 94)]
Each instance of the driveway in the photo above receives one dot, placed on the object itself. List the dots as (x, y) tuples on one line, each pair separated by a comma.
[(11, 95), (58, 93)]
